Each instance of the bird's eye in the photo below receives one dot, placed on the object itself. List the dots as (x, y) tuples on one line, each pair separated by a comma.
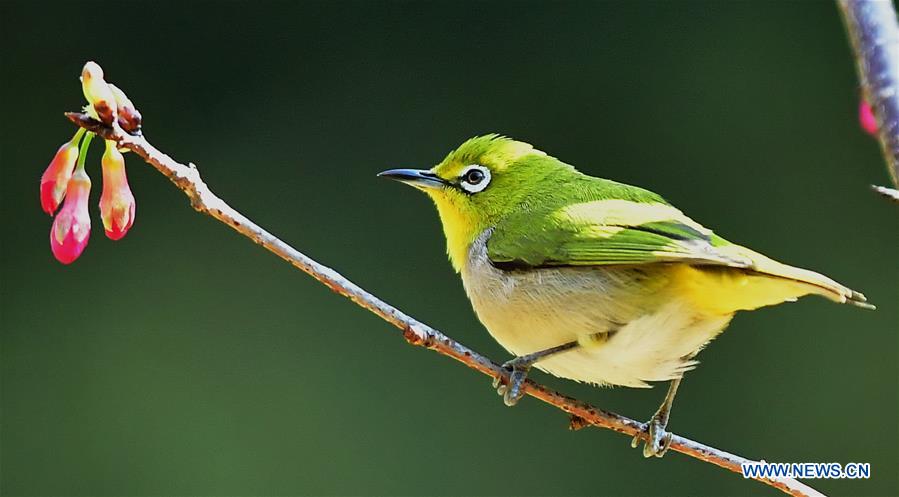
[(474, 178)]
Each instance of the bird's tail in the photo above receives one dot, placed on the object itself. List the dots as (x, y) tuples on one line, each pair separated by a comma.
[(724, 290), (810, 281), (817, 283)]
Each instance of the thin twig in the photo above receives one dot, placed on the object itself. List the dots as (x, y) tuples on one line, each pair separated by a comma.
[(874, 36), (187, 178), (887, 192)]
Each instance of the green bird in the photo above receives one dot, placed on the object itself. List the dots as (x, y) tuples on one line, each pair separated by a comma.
[(593, 280)]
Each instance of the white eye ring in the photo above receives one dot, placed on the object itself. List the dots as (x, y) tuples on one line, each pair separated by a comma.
[(474, 178)]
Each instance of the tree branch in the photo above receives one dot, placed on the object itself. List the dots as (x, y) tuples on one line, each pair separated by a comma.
[(874, 36), (187, 178)]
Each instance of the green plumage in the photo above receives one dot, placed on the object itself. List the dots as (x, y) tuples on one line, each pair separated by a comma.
[(563, 242), (621, 224)]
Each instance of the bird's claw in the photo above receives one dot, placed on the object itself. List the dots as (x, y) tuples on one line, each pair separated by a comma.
[(657, 440), (513, 391)]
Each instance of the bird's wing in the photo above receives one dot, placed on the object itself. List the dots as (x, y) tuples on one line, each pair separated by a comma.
[(608, 232), (630, 232)]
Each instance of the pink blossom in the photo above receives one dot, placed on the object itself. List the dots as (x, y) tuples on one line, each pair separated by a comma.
[(56, 176), (866, 118), (72, 226), (116, 202)]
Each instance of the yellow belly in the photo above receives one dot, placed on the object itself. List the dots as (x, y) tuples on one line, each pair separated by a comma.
[(723, 290)]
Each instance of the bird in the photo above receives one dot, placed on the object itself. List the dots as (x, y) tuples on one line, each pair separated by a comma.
[(594, 280)]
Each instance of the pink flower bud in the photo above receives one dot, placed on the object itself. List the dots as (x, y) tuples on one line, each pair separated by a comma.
[(129, 117), (98, 94), (866, 118), (116, 202), (56, 176), (72, 226)]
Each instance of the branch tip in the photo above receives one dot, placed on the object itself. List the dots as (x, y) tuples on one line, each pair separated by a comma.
[(889, 193)]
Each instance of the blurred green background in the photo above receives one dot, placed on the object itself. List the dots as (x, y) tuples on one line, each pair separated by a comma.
[(186, 360)]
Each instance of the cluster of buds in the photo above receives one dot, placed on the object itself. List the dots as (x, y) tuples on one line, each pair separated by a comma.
[(66, 182)]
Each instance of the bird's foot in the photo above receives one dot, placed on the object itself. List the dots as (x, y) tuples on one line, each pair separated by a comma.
[(513, 391), (656, 439), (518, 369)]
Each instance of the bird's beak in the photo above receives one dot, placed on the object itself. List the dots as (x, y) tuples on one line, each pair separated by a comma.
[(418, 178)]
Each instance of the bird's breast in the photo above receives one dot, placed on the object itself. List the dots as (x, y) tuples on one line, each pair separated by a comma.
[(532, 309)]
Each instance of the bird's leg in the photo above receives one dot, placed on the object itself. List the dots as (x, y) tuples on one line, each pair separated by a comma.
[(519, 368), (657, 439)]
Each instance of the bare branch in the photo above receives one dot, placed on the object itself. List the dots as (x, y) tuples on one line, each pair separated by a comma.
[(887, 192), (187, 178), (874, 36)]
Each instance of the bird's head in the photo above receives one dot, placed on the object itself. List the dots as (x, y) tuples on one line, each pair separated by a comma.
[(482, 181)]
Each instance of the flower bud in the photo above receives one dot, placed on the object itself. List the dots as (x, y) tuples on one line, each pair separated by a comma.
[(56, 176), (98, 94), (72, 226), (866, 118), (129, 117), (116, 201)]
